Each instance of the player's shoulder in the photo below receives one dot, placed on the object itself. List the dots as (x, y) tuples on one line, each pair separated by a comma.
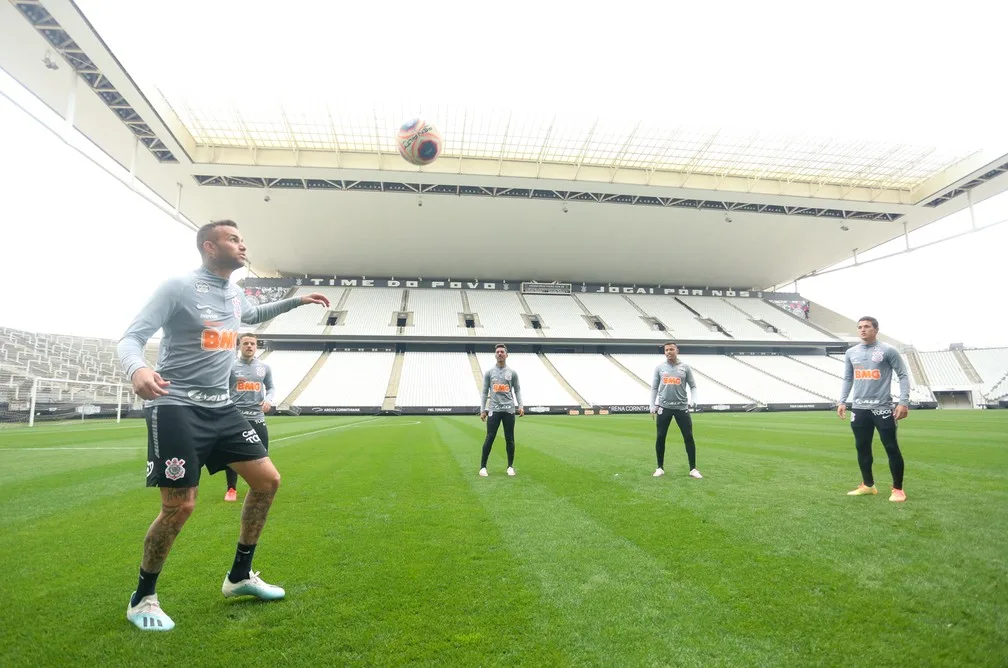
[(195, 283), (888, 350)]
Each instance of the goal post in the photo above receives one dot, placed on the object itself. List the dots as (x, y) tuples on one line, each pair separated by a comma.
[(55, 399)]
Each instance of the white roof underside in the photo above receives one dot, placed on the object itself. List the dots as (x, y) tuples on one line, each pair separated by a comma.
[(554, 138)]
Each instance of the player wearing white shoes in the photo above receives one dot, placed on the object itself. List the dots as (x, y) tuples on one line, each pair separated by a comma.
[(669, 401), (191, 420), (497, 407)]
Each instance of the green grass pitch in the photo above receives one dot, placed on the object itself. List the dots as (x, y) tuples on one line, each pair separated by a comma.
[(393, 551)]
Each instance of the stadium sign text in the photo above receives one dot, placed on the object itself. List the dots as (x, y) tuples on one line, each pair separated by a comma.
[(509, 285)]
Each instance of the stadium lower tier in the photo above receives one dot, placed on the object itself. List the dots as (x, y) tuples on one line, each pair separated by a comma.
[(449, 382)]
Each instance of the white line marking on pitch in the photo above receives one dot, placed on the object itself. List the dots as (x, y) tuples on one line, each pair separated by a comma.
[(282, 438)]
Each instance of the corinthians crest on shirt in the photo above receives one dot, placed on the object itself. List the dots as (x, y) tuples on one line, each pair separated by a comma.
[(877, 356)]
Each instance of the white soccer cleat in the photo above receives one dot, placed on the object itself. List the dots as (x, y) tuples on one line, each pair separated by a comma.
[(147, 615), (658, 473), (695, 474), (253, 585), (510, 471), (483, 472)]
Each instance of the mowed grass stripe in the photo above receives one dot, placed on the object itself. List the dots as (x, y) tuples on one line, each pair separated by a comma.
[(834, 519), (617, 602), (393, 551)]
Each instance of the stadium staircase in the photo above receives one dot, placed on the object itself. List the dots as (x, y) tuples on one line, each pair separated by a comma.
[(306, 381), (810, 366), (336, 306), (712, 381), (470, 331), (563, 381), (709, 323), (741, 358), (628, 371), (392, 391), (967, 366), (762, 324), (528, 312), (917, 368), (477, 372)]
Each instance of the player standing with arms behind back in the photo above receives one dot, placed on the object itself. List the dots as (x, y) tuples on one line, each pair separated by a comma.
[(868, 368), (191, 421), (498, 407)]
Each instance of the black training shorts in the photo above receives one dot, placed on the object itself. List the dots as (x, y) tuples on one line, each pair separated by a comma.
[(183, 439)]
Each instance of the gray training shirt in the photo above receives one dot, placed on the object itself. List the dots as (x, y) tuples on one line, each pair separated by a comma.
[(668, 386), (251, 384), (498, 382), (199, 313), (868, 368)]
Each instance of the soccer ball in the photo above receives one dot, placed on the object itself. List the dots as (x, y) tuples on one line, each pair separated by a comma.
[(419, 142)]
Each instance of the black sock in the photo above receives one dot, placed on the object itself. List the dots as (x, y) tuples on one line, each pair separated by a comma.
[(145, 587), (232, 478), (242, 563)]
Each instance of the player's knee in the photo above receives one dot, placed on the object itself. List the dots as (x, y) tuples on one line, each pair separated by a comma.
[(180, 508), (272, 481)]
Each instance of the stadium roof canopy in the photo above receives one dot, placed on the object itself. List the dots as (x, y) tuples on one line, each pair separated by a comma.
[(576, 148)]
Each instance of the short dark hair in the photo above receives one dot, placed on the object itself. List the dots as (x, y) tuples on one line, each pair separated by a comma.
[(204, 233), (247, 335), (499, 346), (670, 343), (868, 318)]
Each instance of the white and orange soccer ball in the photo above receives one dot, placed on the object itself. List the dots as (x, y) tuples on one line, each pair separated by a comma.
[(419, 142)]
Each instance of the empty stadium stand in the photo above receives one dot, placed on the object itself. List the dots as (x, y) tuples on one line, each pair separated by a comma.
[(598, 380), (349, 379), (708, 391), (436, 379), (751, 382), (538, 385), (499, 314), (943, 370), (992, 365)]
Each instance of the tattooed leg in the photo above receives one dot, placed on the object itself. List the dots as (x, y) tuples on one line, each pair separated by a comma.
[(176, 506), (263, 480)]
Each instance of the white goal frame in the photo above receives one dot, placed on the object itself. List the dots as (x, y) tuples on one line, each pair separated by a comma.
[(64, 381)]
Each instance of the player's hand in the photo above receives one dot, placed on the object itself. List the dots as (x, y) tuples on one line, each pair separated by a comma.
[(483, 416), (148, 383), (841, 410), (521, 412), (901, 412), (266, 406), (315, 298), (653, 413)]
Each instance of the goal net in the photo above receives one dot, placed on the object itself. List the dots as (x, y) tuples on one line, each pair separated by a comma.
[(30, 400)]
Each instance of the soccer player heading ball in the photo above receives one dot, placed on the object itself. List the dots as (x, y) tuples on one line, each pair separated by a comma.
[(191, 420)]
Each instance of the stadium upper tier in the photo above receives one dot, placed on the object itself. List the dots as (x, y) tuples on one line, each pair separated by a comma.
[(446, 314)]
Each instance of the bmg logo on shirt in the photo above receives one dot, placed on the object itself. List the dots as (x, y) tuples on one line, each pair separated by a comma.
[(501, 387), (671, 380), (867, 374), (248, 386), (211, 339)]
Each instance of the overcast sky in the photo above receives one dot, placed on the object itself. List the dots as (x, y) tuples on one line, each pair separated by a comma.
[(81, 251)]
